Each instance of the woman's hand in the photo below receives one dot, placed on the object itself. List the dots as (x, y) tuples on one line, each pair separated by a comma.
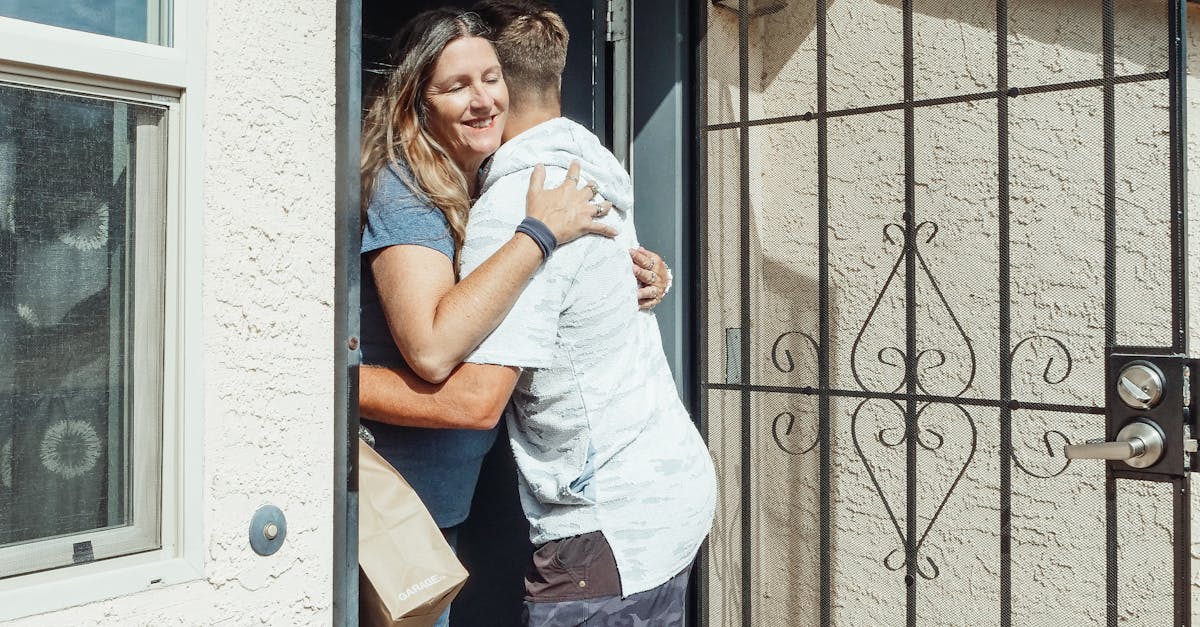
[(566, 209), (653, 275)]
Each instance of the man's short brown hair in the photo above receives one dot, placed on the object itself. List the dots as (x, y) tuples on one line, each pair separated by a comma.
[(531, 42)]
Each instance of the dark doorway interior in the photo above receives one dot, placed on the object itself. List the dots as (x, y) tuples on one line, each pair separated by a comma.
[(493, 544), (585, 91)]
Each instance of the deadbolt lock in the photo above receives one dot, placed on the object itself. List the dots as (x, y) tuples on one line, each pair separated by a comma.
[(1140, 385), (1150, 417)]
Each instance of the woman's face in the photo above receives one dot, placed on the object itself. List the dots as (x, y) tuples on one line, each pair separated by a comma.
[(467, 102)]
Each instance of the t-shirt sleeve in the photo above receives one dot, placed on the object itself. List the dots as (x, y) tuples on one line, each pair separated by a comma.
[(398, 216), (528, 335)]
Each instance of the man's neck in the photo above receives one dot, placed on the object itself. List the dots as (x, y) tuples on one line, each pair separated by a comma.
[(526, 118)]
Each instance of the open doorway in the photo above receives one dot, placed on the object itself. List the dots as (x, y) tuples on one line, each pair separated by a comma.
[(493, 543)]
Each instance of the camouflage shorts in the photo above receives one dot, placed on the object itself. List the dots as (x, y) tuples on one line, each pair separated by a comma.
[(574, 581)]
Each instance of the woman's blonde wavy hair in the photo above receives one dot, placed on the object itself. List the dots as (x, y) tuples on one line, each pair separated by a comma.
[(395, 127)]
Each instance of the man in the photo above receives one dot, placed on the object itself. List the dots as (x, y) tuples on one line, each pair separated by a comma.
[(615, 481)]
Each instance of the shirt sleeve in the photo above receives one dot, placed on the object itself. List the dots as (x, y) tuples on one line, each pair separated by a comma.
[(397, 216), (528, 335)]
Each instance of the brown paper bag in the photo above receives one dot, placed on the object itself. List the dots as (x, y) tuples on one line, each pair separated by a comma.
[(407, 573)]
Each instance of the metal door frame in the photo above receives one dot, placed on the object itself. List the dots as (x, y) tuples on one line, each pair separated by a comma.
[(911, 395), (348, 108)]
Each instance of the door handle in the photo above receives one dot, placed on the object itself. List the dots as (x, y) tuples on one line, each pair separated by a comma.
[(1139, 444)]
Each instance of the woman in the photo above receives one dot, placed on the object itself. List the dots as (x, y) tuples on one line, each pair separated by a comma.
[(439, 116)]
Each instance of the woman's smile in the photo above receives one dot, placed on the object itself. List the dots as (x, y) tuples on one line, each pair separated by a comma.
[(468, 101)]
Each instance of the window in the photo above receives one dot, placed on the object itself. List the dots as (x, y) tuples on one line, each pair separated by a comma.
[(82, 208), (100, 165), (139, 20)]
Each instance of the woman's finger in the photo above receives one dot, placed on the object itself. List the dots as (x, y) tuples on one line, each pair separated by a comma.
[(602, 209), (648, 259), (645, 277), (640, 261)]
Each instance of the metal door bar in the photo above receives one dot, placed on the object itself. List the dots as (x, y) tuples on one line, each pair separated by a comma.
[(744, 235), (920, 397), (1004, 284), (910, 323), (824, 413), (943, 100)]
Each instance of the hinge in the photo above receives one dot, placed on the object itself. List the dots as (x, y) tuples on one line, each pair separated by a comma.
[(1191, 416), (617, 23), (733, 356)]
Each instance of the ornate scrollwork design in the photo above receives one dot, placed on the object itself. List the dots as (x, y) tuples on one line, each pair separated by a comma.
[(930, 439), (952, 443), (790, 365), (882, 354), (790, 419), (1046, 373), (968, 378), (928, 360), (1053, 373), (1046, 437)]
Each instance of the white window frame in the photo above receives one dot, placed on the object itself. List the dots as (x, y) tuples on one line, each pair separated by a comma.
[(171, 77)]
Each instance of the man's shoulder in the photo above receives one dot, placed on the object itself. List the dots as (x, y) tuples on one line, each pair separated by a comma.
[(502, 191)]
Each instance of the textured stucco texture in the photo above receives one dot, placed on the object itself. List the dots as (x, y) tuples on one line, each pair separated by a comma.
[(268, 295)]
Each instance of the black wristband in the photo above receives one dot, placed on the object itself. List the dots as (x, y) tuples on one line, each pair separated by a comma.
[(540, 234)]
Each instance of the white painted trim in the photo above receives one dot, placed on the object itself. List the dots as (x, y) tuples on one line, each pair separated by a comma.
[(106, 579), (189, 35), (174, 77), (79, 53)]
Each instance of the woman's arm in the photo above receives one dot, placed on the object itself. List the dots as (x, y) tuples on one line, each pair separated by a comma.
[(435, 322)]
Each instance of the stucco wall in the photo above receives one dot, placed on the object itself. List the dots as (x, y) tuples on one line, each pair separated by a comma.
[(268, 313), (1056, 204)]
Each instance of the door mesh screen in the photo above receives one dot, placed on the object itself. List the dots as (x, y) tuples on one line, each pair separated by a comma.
[(926, 224)]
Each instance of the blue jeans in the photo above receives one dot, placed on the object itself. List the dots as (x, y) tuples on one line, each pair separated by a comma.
[(451, 534)]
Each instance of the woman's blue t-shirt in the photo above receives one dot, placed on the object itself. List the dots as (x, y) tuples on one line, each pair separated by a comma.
[(442, 465)]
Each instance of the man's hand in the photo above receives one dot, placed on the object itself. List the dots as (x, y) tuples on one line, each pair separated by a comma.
[(653, 275)]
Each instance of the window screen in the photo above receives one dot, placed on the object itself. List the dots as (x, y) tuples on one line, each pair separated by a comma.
[(82, 199)]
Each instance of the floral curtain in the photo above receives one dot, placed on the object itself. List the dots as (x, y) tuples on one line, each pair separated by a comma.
[(63, 243)]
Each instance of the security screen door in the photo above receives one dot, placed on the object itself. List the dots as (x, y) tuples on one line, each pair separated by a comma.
[(943, 243)]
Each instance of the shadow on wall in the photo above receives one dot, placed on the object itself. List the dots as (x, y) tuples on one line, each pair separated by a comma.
[(1073, 24)]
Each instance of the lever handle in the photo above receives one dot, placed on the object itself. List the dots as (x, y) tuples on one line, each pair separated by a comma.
[(1139, 444), (1118, 451)]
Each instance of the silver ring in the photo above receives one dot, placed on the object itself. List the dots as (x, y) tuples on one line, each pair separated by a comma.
[(572, 177), (599, 210), (594, 187)]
